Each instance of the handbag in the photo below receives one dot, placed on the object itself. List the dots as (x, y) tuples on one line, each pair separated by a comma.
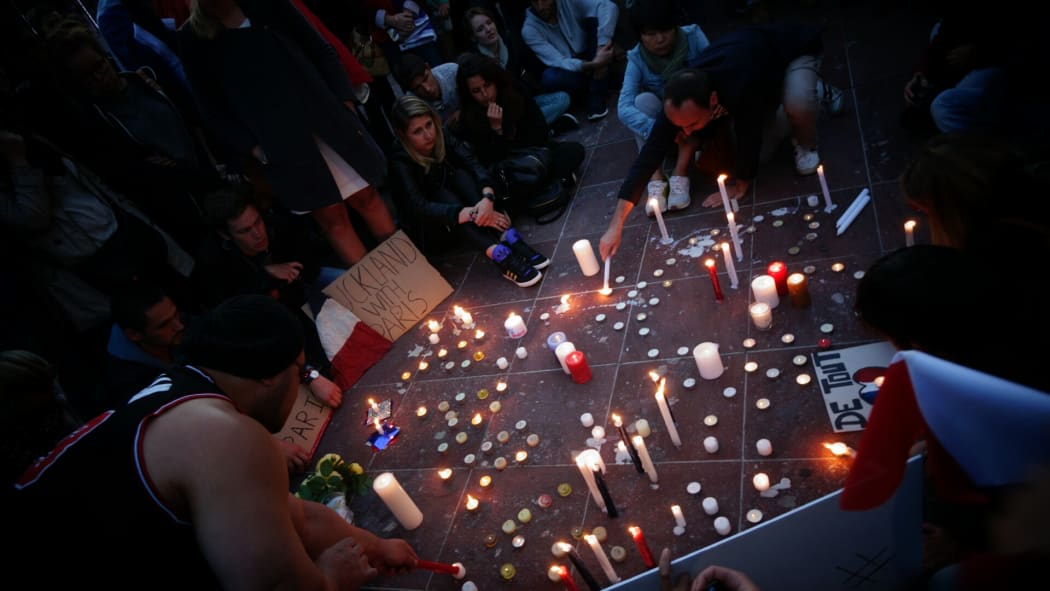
[(369, 54), (524, 169)]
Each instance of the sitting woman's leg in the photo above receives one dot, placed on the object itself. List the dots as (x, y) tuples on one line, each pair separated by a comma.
[(335, 225)]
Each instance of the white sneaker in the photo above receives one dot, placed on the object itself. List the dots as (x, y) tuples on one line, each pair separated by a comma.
[(806, 160), (657, 190), (678, 198)]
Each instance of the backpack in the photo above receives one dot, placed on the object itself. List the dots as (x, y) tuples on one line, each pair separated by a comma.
[(525, 187)]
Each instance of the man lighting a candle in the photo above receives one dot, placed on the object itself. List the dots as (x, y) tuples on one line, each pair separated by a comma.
[(184, 487), (728, 101)]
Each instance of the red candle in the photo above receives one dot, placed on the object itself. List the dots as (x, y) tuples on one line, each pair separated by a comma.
[(578, 368), (563, 574), (710, 264), (643, 547), (437, 567), (779, 272)]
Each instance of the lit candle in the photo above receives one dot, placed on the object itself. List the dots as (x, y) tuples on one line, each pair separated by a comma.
[(734, 280), (433, 325), (909, 233), (761, 481), (476, 419), (485, 481), (665, 412), (461, 345), (708, 360), (734, 236), (779, 272), (467, 319), (606, 290), (599, 552), (710, 264), (761, 315), (562, 352), (479, 334), (647, 462), (442, 353), (421, 412), (583, 462), (725, 194), (521, 456), (578, 368), (829, 206), (597, 469), (574, 557), (458, 312), (515, 326), (472, 503), (798, 290), (679, 518), (560, 573), (445, 473), (764, 447), (643, 546), (764, 288), (840, 449), (501, 386), (555, 339), (627, 443), (585, 257), (655, 206), (424, 365), (397, 500), (434, 338)]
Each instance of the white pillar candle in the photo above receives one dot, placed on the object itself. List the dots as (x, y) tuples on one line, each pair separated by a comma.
[(515, 326), (434, 338), (665, 412), (397, 500), (764, 287), (711, 444), (599, 553), (655, 206), (764, 447), (502, 363), (761, 315), (606, 290), (909, 233), (708, 361), (585, 257), (722, 526), (641, 426), (710, 505), (587, 420), (734, 279), (761, 481), (521, 352), (679, 518), (467, 319), (562, 352), (643, 455), (583, 463), (734, 236), (828, 205)]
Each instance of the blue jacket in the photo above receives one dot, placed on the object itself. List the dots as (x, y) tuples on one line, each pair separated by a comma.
[(639, 78), (558, 45)]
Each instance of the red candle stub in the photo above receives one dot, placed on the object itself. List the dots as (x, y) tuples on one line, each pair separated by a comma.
[(824, 343), (710, 264), (578, 368), (779, 272)]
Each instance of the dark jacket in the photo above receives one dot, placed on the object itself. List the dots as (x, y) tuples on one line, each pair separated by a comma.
[(746, 68), (523, 126)]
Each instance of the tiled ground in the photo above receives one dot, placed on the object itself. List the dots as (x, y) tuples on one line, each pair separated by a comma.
[(870, 47)]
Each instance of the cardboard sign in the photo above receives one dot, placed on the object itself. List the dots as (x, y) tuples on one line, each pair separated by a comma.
[(307, 421), (848, 381), (392, 288), (819, 546)]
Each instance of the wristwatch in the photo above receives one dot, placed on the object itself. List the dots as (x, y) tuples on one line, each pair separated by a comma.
[(309, 374)]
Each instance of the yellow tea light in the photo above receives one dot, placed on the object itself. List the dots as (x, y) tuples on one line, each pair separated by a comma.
[(485, 481)]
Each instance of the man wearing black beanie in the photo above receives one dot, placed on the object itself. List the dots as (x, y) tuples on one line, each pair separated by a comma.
[(185, 484)]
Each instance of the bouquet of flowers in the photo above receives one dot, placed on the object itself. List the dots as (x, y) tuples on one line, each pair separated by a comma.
[(332, 479)]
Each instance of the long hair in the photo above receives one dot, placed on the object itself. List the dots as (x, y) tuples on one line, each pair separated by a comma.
[(508, 97), (202, 22), (407, 108)]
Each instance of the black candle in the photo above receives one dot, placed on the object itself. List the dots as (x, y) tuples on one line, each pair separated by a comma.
[(630, 446), (585, 574), (610, 508)]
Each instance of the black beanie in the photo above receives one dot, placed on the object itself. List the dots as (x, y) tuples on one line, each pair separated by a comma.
[(249, 336)]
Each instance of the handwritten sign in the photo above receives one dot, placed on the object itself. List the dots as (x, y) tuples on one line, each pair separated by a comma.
[(848, 380), (307, 421), (392, 288)]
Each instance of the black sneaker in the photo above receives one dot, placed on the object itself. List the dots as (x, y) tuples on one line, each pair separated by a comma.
[(565, 122), (512, 239), (514, 267)]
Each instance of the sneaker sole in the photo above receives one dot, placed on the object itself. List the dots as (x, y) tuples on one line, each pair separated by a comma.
[(671, 206), (530, 283), (546, 263), (597, 116)]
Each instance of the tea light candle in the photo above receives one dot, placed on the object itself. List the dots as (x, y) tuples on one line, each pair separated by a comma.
[(442, 353), (515, 326), (764, 288), (708, 360), (761, 315), (803, 379), (641, 426), (710, 420), (754, 516), (764, 447), (485, 481), (778, 271), (761, 481), (397, 500), (479, 355), (909, 233), (762, 403), (587, 420), (647, 461), (532, 440), (555, 339), (433, 325), (710, 505), (445, 473), (711, 444), (424, 365), (434, 338), (562, 352), (461, 437), (500, 463), (503, 437), (421, 412), (521, 352), (798, 290), (467, 319), (599, 552), (479, 335), (461, 345), (472, 503), (495, 406), (585, 257), (476, 419), (405, 376), (840, 449), (442, 447), (598, 432), (722, 526), (469, 459), (679, 518), (501, 386)]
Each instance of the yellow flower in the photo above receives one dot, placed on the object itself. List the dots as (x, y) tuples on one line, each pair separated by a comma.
[(356, 468)]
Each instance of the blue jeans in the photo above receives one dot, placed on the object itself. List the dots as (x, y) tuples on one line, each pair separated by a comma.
[(975, 104), (580, 83), (553, 105)]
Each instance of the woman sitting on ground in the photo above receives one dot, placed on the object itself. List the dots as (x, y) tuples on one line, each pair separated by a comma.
[(440, 186), (499, 118)]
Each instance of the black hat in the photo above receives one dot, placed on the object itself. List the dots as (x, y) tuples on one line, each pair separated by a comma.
[(250, 336)]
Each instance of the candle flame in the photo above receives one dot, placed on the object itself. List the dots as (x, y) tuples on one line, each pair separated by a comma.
[(445, 473), (472, 503), (373, 404), (796, 278), (434, 326), (421, 411), (591, 538), (621, 446), (840, 449), (709, 263), (654, 376), (616, 420), (722, 177), (660, 390), (479, 334), (565, 299), (379, 426), (564, 547), (820, 169), (725, 248), (476, 420), (458, 311), (485, 481), (910, 225), (605, 291), (521, 456), (635, 530), (879, 380)]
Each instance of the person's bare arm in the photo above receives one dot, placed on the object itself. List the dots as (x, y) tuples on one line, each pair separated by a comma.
[(610, 240), (223, 472)]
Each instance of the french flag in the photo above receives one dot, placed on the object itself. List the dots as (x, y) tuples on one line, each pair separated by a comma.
[(351, 345)]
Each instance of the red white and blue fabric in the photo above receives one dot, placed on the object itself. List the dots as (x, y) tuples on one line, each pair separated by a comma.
[(981, 431), (351, 345)]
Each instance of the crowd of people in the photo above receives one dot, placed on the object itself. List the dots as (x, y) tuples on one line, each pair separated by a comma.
[(182, 179)]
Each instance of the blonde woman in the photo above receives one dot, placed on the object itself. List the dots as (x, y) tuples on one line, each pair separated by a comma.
[(272, 88), (441, 187)]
